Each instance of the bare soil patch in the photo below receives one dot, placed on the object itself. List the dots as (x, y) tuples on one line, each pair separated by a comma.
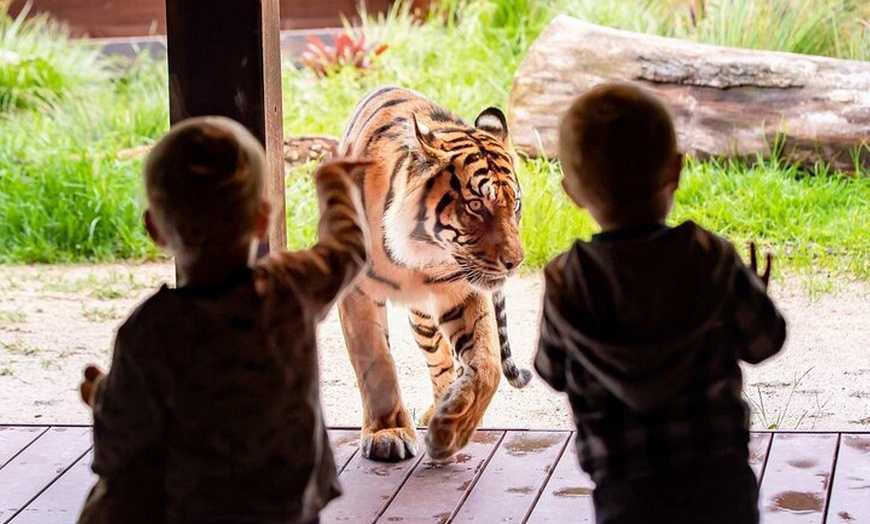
[(56, 319)]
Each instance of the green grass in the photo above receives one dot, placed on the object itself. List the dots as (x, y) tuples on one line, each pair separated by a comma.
[(37, 66), (815, 226), (834, 28), (67, 195), (810, 222)]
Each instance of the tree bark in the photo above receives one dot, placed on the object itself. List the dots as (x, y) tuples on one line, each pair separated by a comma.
[(725, 101)]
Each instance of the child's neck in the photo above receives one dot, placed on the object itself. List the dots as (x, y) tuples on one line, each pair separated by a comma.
[(616, 225), (212, 268), (655, 212)]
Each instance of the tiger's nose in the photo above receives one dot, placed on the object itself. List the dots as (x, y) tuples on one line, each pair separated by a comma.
[(511, 263)]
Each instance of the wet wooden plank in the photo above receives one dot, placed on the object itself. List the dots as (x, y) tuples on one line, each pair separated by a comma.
[(850, 491), (794, 487), (345, 443), (15, 438), (499, 477), (514, 477), (434, 491), (26, 475), (567, 497), (759, 445), (62, 502), (368, 487)]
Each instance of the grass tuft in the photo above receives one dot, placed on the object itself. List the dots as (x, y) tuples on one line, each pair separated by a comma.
[(37, 67)]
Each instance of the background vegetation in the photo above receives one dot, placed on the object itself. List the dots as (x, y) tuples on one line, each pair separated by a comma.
[(70, 189)]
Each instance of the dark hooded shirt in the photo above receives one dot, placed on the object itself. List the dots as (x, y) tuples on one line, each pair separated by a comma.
[(222, 385), (644, 329)]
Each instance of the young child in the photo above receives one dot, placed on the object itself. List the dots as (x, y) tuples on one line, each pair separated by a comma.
[(644, 325), (211, 410)]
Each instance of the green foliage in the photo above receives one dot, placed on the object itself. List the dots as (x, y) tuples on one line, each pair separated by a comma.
[(36, 64), (836, 28), (25, 83), (69, 191), (302, 207), (813, 221), (550, 222), (66, 194)]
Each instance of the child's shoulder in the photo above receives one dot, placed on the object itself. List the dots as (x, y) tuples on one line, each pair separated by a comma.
[(147, 318), (709, 242), (153, 306)]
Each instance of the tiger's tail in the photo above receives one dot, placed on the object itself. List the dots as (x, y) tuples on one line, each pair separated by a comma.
[(516, 376)]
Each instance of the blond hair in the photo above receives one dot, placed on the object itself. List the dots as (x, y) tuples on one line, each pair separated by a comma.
[(204, 183), (616, 140)]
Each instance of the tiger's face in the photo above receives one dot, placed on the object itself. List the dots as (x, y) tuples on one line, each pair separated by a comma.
[(462, 221)]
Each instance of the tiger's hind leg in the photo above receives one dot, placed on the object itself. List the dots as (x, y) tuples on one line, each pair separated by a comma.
[(387, 429), (471, 329), (438, 353)]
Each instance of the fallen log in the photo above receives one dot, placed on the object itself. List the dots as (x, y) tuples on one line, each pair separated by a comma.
[(299, 150), (725, 101)]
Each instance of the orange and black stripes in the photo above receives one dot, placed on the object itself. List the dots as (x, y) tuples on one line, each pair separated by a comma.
[(443, 203)]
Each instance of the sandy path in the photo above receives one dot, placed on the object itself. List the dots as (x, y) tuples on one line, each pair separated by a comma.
[(56, 319)]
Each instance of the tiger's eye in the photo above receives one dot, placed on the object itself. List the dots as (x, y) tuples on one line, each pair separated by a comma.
[(475, 205)]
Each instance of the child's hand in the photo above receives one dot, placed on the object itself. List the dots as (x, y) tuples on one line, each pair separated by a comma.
[(348, 165), (753, 264), (93, 375)]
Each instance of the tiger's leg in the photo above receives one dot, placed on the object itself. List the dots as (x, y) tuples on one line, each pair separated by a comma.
[(387, 430), (438, 355), (471, 329)]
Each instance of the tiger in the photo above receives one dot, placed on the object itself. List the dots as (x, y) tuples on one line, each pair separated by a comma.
[(443, 203)]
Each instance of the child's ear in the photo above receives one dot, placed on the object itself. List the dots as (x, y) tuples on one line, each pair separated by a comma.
[(153, 232), (672, 177), (576, 198), (261, 224)]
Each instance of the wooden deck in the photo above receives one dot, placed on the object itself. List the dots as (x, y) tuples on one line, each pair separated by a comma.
[(502, 476)]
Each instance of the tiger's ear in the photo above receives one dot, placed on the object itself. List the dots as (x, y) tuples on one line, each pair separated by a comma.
[(426, 140), (493, 121)]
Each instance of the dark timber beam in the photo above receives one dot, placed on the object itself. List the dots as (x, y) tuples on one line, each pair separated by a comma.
[(224, 59)]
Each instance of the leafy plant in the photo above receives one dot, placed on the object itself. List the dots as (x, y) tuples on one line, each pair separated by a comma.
[(36, 65), (26, 82), (349, 51)]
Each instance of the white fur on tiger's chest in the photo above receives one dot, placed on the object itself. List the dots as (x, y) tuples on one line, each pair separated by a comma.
[(409, 287)]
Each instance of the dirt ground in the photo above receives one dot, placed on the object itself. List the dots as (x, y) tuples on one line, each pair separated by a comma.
[(56, 319)]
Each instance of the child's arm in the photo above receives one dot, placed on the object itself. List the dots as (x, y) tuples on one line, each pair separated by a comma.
[(343, 247), (759, 328), (128, 416), (550, 357)]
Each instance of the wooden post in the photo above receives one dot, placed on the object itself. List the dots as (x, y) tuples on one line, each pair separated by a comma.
[(224, 59)]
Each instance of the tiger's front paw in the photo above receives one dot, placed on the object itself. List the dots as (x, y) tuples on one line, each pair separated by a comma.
[(427, 415), (389, 445), (453, 423)]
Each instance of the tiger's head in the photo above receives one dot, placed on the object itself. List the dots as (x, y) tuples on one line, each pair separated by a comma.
[(462, 202)]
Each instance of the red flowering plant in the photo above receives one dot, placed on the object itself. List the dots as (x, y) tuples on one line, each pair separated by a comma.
[(349, 51)]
